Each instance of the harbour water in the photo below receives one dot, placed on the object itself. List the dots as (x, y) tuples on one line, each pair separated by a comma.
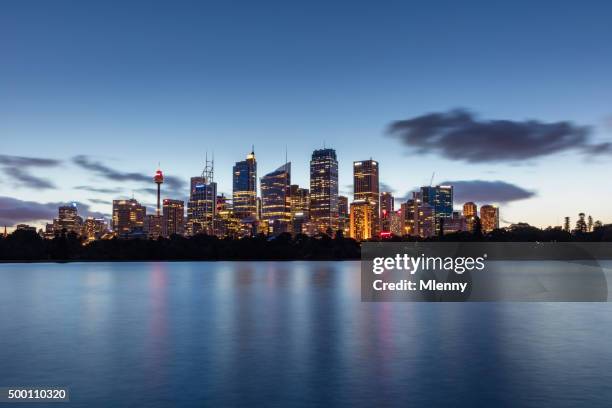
[(288, 334)]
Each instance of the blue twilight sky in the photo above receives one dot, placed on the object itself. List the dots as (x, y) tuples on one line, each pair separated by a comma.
[(103, 91)]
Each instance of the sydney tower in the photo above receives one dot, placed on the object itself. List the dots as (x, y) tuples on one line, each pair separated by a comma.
[(159, 179)]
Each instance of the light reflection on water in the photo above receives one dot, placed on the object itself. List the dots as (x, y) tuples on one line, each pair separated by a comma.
[(287, 334)]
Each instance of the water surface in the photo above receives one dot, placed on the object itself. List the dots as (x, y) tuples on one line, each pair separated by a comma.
[(287, 334)]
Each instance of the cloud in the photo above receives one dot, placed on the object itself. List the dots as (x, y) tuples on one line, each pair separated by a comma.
[(99, 201), (98, 189), (102, 170), (14, 211), (18, 168), (384, 187), (460, 135), (25, 179), (482, 191)]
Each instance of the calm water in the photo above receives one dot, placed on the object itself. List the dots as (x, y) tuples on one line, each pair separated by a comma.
[(287, 334)]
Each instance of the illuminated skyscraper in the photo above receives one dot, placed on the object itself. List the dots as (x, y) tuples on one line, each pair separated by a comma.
[(361, 219), (202, 204), (300, 209), (366, 187), (275, 199), (173, 217), (324, 190), (386, 209), (441, 199), (387, 203), (408, 215), (244, 193), (94, 228), (68, 220), (470, 212), (489, 218), (128, 216), (344, 221)]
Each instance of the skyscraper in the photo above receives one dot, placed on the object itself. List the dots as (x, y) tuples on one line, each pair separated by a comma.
[(300, 209), (275, 199), (387, 203), (344, 221), (173, 217), (128, 216), (68, 220), (366, 188), (489, 217), (244, 193), (202, 204), (201, 207), (324, 190), (386, 209), (361, 219), (441, 199), (93, 228), (470, 212)]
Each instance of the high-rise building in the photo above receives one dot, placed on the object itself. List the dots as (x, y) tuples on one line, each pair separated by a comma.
[(202, 204), (344, 221), (386, 209), (387, 203), (362, 217), (441, 199), (173, 217), (244, 193), (455, 223), (324, 190), (94, 228), (300, 209), (366, 187), (408, 210), (489, 217), (275, 199), (128, 217), (68, 220), (300, 200), (396, 223), (470, 212), (424, 217)]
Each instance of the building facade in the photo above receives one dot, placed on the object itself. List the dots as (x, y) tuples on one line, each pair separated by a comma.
[(275, 199), (366, 188), (173, 217), (128, 217), (361, 219), (324, 190), (201, 207), (441, 199), (244, 188), (489, 218)]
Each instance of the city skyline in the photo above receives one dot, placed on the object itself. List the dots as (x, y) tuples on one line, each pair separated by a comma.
[(174, 193), (477, 93)]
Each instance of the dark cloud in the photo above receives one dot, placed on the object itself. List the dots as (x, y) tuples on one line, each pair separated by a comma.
[(27, 161), (98, 189), (18, 168), (21, 178), (460, 135), (384, 187), (102, 170), (99, 201), (14, 211), (481, 191)]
